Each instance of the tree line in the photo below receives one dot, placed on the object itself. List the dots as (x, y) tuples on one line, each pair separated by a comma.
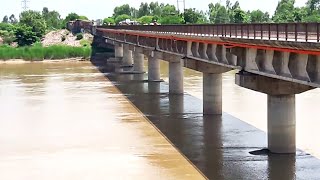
[(32, 25), (216, 13)]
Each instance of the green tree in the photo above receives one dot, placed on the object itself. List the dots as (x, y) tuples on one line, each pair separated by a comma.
[(13, 19), (52, 18), (7, 36), (239, 16), (146, 19), (144, 10), (257, 16), (71, 17), (218, 13), (284, 11), (194, 17), (121, 10), (121, 18), (155, 8), (108, 20), (5, 19), (83, 18), (34, 20), (7, 27), (168, 10), (171, 19), (25, 35)]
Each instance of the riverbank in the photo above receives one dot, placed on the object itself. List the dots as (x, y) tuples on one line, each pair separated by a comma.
[(21, 61), (39, 53)]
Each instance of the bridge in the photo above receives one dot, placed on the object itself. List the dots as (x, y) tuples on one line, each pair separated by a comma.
[(280, 60)]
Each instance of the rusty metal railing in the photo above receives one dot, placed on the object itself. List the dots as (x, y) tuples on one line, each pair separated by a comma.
[(300, 32)]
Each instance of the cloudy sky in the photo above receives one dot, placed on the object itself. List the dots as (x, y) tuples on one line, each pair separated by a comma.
[(98, 9)]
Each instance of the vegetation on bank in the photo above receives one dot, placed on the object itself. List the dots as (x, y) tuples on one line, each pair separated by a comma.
[(39, 53), (221, 12), (32, 26)]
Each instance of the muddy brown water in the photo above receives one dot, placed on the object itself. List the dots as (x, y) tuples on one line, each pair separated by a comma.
[(71, 121)]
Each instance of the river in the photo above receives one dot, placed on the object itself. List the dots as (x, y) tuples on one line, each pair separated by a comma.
[(53, 126)]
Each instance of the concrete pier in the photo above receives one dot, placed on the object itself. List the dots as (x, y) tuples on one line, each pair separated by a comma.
[(118, 51), (176, 77), (281, 124), (212, 94), (153, 67), (281, 108), (138, 60), (127, 55)]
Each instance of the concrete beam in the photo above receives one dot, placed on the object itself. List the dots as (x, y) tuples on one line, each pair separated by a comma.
[(205, 66), (268, 85)]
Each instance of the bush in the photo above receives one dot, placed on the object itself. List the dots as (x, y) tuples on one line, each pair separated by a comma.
[(79, 36), (85, 43), (25, 36)]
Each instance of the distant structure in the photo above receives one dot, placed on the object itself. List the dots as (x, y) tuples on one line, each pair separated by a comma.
[(179, 2), (25, 4)]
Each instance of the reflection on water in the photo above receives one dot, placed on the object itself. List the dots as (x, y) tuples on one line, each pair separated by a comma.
[(251, 106), (219, 146)]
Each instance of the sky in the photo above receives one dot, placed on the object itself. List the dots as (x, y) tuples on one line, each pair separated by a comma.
[(99, 9)]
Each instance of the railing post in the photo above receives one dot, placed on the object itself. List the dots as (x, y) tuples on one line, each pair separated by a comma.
[(254, 31), (306, 32), (248, 31), (230, 30), (236, 29), (277, 29), (286, 31), (261, 26), (318, 36), (296, 32), (241, 30), (269, 29)]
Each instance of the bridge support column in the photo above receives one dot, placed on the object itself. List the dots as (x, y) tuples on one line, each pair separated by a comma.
[(281, 123), (138, 60), (154, 67), (176, 76), (118, 51), (212, 93), (281, 108), (127, 55)]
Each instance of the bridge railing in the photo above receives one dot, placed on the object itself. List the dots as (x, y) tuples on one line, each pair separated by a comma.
[(300, 32)]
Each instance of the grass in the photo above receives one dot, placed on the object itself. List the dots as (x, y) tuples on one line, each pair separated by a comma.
[(39, 53), (85, 43)]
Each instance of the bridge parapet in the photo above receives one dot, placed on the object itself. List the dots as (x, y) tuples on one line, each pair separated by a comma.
[(299, 32)]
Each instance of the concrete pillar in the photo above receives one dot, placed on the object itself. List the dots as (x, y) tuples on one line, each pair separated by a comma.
[(212, 93), (138, 61), (127, 55), (281, 108), (153, 68), (281, 124), (118, 51), (176, 77)]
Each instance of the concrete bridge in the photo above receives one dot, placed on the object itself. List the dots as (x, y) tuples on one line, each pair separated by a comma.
[(280, 60)]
